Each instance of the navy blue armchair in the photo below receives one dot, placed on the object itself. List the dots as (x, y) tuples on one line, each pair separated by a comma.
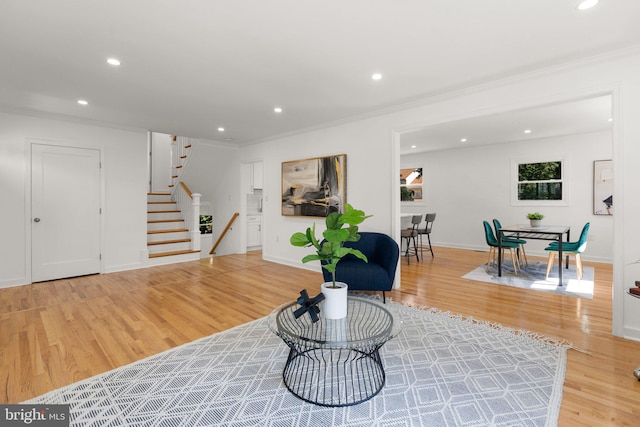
[(377, 274)]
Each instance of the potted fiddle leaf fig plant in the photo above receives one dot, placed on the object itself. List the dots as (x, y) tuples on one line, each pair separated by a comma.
[(535, 218), (340, 228)]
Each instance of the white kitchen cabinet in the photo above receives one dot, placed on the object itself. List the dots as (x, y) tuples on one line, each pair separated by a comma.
[(255, 176), (258, 175), (254, 231)]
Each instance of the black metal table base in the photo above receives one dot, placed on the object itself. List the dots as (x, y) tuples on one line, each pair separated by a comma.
[(334, 377)]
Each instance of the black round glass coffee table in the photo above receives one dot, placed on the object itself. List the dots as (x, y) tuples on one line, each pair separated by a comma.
[(336, 362)]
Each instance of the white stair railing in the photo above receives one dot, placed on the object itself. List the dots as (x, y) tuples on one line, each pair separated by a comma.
[(189, 205)]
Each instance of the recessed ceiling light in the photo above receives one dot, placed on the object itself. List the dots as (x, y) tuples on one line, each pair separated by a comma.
[(113, 61), (277, 110), (376, 76), (228, 139), (527, 131), (587, 4), (82, 102), (610, 119), (220, 129), (463, 140), (414, 146)]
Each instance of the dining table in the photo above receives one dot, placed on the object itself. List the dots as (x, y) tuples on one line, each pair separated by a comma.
[(543, 232)]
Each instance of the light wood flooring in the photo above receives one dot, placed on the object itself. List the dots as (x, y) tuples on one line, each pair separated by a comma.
[(55, 333)]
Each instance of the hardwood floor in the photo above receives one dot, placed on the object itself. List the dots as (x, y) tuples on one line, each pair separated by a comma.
[(55, 333)]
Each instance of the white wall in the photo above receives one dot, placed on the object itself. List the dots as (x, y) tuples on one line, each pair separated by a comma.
[(368, 183), (466, 186), (373, 157), (160, 161), (124, 156), (212, 171)]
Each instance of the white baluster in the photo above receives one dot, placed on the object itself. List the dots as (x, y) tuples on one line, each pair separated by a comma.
[(195, 216)]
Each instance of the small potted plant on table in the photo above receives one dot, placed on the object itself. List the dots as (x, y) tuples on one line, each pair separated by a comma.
[(535, 218), (341, 228)]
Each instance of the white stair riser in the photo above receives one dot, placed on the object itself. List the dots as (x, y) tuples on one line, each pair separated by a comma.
[(165, 225), (164, 215), (170, 247), (158, 198), (168, 236), (173, 259)]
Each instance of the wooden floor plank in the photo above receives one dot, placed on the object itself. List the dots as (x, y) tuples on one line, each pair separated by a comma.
[(55, 333)]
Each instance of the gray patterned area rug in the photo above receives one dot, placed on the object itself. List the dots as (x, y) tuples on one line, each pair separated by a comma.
[(441, 370), (533, 277)]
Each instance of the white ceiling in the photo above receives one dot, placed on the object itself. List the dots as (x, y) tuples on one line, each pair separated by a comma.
[(191, 66), (568, 118)]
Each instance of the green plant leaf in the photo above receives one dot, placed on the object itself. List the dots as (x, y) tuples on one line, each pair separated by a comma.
[(333, 221), (355, 253), (299, 239), (312, 257), (336, 236)]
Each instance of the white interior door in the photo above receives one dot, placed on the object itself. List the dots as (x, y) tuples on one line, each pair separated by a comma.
[(65, 221)]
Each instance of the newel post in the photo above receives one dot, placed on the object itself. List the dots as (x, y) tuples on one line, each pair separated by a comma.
[(195, 230)]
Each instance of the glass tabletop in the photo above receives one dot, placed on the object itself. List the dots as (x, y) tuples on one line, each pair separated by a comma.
[(368, 323)]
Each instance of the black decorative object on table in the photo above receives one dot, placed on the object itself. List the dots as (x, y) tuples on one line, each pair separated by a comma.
[(308, 305)]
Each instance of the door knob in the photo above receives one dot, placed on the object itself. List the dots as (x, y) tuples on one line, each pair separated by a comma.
[(36, 219)]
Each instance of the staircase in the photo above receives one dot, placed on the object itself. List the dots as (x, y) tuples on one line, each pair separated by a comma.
[(168, 238)]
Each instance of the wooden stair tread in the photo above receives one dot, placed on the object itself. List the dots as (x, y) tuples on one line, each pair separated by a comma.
[(175, 230), (165, 211), (161, 254), (159, 221), (161, 203), (168, 242), (156, 193)]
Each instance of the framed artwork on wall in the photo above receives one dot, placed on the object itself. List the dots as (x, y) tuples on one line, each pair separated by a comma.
[(411, 185), (603, 187), (314, 187)]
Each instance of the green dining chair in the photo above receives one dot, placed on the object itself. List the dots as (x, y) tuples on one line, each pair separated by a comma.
[(522, 255), (493, 247), (574, 248)]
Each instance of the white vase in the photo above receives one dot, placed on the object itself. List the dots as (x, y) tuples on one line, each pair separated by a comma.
[(334, 305), (534, 223)]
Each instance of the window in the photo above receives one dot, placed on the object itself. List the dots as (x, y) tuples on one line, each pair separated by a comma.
[(539, 183), (411, 185), (206, 224)]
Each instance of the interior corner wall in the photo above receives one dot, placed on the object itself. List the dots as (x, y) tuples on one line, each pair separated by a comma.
[(213, 172), (123, 155), (368, 144), (466, 186)]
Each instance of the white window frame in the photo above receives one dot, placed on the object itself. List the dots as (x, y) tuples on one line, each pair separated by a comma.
[(564, 164)]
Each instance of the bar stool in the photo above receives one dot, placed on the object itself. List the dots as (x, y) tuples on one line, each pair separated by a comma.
[(410, 235)]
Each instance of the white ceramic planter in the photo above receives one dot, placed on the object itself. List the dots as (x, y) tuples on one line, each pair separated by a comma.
[(534, 223), (334, 305)]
